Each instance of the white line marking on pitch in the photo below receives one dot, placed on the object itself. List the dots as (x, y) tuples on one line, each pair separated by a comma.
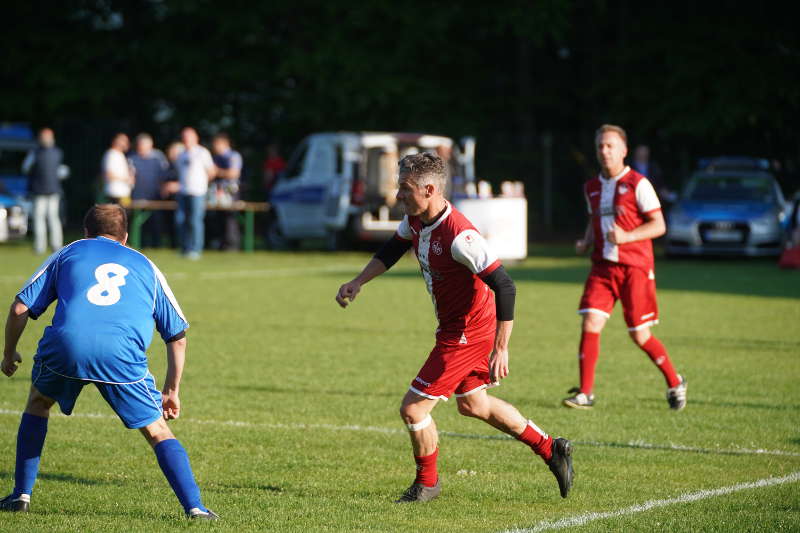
[(638, 444), (585, 518)]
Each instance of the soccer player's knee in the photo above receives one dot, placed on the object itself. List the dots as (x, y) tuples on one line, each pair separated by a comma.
[(593, 323), (156, 432), (472, 409)]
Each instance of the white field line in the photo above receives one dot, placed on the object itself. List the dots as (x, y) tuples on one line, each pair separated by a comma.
[(585, 518), (637, 444), (228, 274)]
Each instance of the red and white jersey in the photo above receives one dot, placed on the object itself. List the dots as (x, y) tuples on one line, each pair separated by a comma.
[(453, 258), (623, 200)]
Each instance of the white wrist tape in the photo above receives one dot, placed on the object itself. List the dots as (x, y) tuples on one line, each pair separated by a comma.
[(420, 425)]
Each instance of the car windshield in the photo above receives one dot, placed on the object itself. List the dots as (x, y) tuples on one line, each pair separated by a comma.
[(730, 188)]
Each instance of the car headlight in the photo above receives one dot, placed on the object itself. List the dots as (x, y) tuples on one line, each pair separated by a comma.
[(765, 224)]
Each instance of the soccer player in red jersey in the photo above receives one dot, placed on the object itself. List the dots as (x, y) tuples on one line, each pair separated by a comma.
[(625, 215), (471, 351)]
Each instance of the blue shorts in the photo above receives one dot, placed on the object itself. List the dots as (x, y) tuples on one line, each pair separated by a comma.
[(137, 404)]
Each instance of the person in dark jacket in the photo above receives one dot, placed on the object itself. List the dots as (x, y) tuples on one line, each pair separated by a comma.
[(43, 166)]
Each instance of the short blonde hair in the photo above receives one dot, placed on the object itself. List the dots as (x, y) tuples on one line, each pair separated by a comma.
[(605, 128)]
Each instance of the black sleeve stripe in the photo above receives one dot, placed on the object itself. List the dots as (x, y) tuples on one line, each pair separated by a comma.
[(505, 292), (391, 252), (177, 337)]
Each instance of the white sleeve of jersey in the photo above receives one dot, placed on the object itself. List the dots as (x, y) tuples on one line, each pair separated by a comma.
[(646, 197), (404, 229), (471, 250)]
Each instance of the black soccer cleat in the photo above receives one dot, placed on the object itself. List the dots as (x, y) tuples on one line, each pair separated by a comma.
[(676, 396), (420, 493), (561, 465), (197, 514), (15, 505), (578, 400)]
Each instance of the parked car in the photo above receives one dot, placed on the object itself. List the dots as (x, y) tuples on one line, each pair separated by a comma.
[(341, 186), (730, 208), (15, 142)]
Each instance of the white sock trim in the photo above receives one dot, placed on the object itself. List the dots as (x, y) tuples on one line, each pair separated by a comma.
[(420, 425), (537, 429)]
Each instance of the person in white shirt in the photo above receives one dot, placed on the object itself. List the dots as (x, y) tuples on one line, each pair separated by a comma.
[(118, 176), (195, 169)]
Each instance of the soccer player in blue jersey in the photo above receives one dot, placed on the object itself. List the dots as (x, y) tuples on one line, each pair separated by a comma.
[(109, 297)]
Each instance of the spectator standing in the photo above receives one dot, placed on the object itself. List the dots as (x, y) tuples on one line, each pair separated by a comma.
[(274, 164), (150, 166), (118, 177), (225, 191), (44, 167), (648, 168), (170, 187), (195, 169)]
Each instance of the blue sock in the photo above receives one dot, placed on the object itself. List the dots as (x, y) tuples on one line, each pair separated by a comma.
[(174, 462), (30, 441)]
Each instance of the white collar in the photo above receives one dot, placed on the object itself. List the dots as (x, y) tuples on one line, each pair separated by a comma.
[(447, 211), (618, 176)]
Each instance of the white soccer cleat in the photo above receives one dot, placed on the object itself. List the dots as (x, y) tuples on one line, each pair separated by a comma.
[(676, 396), (579, 400)]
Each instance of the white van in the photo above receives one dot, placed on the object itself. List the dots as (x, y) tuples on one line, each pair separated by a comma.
[(341, 186)]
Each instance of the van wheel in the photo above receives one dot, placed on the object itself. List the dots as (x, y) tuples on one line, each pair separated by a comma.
[(275, 238)]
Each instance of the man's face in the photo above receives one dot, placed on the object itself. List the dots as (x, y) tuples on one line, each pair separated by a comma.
[(611, 152), (144, 146), (220, 146), (46, 137), (121, 143), (414, 199), (189, 137)]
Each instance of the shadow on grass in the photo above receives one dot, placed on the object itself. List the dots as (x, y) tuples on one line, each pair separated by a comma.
[(227, 487), (731, 405), (67, 478)]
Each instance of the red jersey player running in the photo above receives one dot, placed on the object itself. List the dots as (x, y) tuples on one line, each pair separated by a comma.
[(471, 351), (625, 215)]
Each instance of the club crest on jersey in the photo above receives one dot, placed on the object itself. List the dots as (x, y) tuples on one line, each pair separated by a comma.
[(623, 189), (436, 247)]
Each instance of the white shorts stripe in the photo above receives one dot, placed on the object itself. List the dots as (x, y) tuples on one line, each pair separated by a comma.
[(593, 310), (417, 391), (644, 325)]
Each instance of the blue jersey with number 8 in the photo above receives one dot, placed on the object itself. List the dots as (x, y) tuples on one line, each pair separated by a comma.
[(109, 297)]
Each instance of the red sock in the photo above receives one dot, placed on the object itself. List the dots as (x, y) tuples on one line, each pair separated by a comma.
[(658, 354), (426, 469), (587, 360), (539, 441)]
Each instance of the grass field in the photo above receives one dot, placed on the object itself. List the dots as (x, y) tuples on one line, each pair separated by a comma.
[(290, 407)]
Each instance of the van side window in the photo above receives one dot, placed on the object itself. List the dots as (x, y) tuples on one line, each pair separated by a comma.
[(295, 166), (339, 160)]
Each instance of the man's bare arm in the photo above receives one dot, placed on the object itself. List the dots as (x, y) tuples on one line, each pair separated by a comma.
[(498, 364), (176, 357), (350, 290), (654, 228), (15, 325), (583, 245)]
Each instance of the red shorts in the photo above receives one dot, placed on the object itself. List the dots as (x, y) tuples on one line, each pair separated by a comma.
[(634, 287), (456, 365)]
